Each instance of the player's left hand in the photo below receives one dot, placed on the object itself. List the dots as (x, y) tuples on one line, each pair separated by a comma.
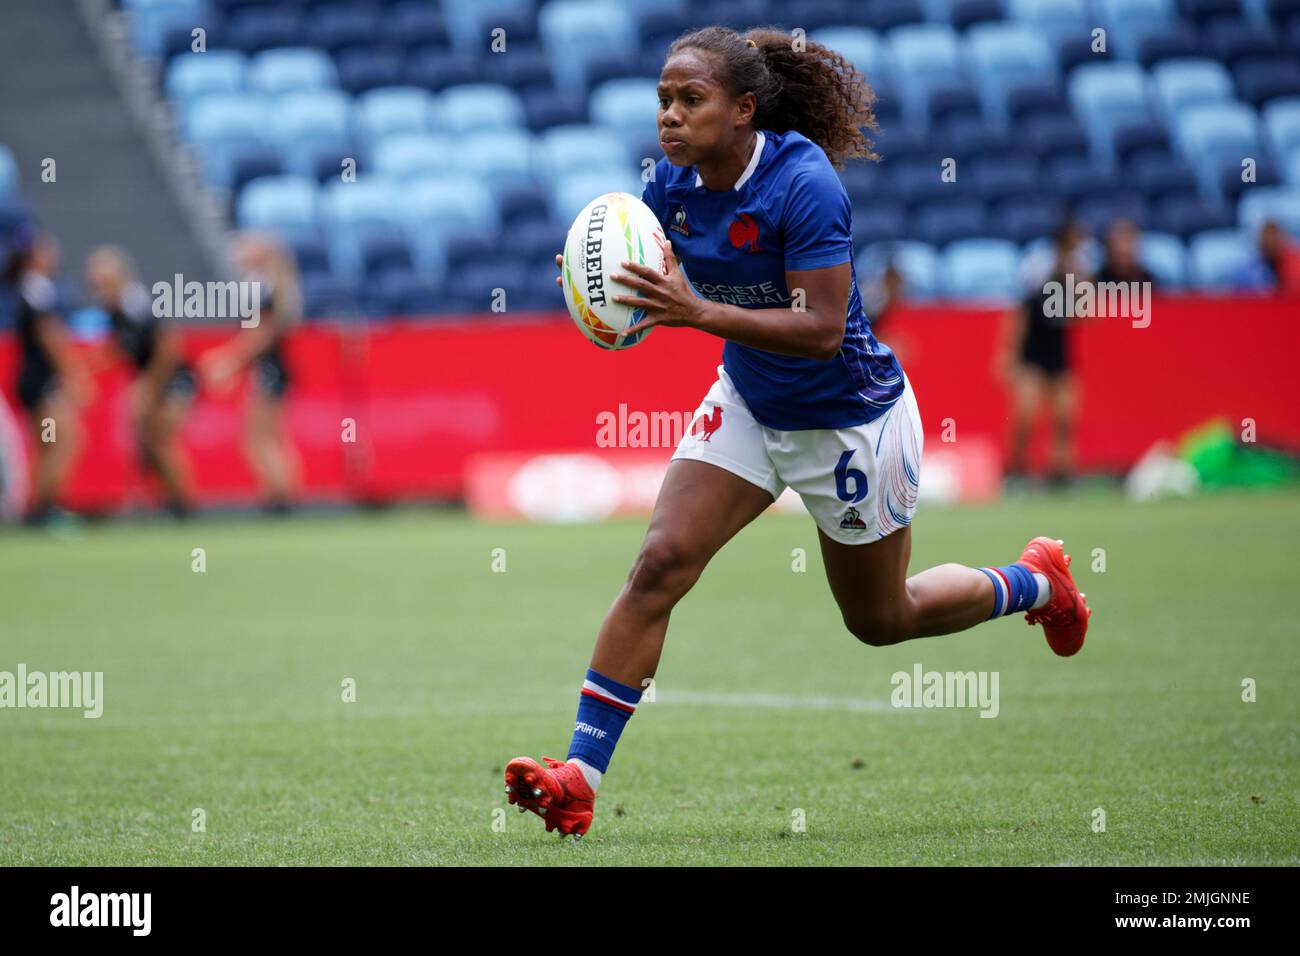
[(667, 299)]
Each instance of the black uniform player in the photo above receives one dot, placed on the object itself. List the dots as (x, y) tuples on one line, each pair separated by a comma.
[(262, 260), (164, 385), (53, 382)]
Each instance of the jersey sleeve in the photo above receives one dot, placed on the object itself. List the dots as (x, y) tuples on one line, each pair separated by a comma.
[(653, 193), (815, 221)]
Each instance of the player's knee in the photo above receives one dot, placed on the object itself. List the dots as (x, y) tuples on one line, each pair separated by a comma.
[(665, 568), (876, 630)]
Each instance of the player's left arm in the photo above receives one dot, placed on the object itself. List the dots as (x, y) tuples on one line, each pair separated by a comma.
[(814, 331)]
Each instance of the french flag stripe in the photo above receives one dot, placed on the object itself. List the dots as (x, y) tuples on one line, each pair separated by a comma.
[(592, 689), (1005, 587)]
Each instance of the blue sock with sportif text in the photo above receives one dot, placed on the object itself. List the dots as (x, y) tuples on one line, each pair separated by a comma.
[(1016, 589), (603, 709)]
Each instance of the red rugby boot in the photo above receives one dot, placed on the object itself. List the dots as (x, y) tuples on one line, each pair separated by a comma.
[(1065, 615), (558, 793)]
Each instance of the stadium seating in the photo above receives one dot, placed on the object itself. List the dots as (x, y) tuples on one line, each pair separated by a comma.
[(1187, 121)]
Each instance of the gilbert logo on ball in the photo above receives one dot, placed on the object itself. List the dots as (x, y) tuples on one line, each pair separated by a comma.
[(611, 228)]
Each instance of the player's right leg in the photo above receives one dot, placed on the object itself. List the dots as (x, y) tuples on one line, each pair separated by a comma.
[(700, 508), (720, 479)]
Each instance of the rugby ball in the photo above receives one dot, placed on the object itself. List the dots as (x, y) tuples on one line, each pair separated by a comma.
[(611, 228)]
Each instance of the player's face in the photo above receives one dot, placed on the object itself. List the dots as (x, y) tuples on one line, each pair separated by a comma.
[(695, 113)]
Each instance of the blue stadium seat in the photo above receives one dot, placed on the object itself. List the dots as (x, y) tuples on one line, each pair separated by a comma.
[(967, 13), (860, 46), (1139, 137), (468, 24), (436, 69), (1160, 175), (1278, 203), (1001, 179), (150, 19), (524, 70), (407, 156), (939, 223), (1282, 125), (284, 204), (1232, 181), (222, 124), (1216, 257), (884, 15), (1100, 211), (1263, 80), (394, 109), (1231, 42), (1186, 216), (309, 122), (480, 106), (881, 221), (502, 159), (287, 70), (563, 150), (1025, 219), (444, 204), (1180, 83), (415, 23), (1210, 134), (1201, 12), (918, 263), (192, 75), (1176, 41), (569, 195), (363, 70), (1055, 19), (352, 213), (1005, 55), (254, 163), (264, 28), (1165, 257), (1105, 95), (1129, 22), (573, 32), (925, 56), (311, 254), (629, 107), (981, 269), (1291, 168), (1053, 136), (344, 26)]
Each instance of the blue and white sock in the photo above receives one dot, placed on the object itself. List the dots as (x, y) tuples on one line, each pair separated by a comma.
[(603, 710), (1016, 589)]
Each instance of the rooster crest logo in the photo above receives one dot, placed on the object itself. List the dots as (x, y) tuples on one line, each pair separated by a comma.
[(852, 520), (705, 425), (744, 231)]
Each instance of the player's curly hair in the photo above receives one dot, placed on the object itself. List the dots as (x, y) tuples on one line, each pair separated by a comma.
[(811, 89)]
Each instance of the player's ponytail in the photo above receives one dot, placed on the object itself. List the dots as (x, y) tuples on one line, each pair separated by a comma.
[(801, 86)]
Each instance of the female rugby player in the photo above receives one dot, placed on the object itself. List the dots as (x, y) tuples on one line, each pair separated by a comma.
[(267, 445), (806, 396), (164, 386), (53, 382)]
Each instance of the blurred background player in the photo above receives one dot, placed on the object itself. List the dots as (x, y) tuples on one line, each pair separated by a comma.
[(1122, 252), (1274, 264), (164, 385), (260, 258), (1035, 357), (53, 381)]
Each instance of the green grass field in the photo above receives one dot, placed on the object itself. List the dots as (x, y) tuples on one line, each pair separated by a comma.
[(222, 691)]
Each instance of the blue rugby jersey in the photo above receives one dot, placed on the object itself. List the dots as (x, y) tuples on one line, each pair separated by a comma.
[(790, 211)]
